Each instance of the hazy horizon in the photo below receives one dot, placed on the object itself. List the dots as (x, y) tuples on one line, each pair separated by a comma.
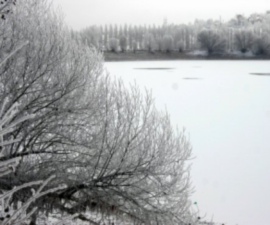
[(83, 13)]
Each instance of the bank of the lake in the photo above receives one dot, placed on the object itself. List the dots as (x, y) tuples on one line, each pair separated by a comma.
[(149, 56)]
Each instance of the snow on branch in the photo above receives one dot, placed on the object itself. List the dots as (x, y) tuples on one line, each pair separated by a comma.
[(5, 8), (10, 213)]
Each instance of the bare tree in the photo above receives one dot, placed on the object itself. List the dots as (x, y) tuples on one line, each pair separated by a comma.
[(134, 46), (123, 43), (180, 46), (244, 40), (167, 43), (48, 77), (261, 46), (149, 42), (91, 36), (113, 44), (130, 164), (45, 76), (211, 41), (115, 152)]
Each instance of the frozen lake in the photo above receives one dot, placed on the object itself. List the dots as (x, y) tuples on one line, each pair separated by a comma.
[(225, 108)]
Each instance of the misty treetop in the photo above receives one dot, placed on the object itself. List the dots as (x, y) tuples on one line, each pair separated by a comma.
[(240, 34)]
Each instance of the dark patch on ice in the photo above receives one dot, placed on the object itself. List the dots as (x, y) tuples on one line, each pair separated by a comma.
[(261, 74), (191, 78), (155, 68)]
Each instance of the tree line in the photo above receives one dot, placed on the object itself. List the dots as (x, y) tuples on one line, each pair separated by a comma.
[(240, 34), (73, 141)]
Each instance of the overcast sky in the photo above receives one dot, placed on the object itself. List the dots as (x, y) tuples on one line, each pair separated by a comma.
[(82, 13)]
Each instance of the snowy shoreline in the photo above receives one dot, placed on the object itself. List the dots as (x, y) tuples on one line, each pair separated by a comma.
[(196, 55)]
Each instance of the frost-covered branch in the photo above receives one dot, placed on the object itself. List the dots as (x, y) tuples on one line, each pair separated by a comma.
[(9, 212)]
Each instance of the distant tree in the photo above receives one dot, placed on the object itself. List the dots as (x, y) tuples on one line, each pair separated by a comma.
[(105, 43), (131, 36), (101, 30), (91, 36), (125, 30), (241, 20), (179, 34), (159, 41), (261, 45), (212, 42), (137, 36), (121, 32), (167, 43), (254, 18), (187, 37), (140, 37), (113, 44), (180, 46), (149, 42), (123, 43), (257, 24), (244, 40), (134, 46), (116, 31), (111, 33)]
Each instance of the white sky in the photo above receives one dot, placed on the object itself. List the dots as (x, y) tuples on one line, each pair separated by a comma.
[(82, 13)]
